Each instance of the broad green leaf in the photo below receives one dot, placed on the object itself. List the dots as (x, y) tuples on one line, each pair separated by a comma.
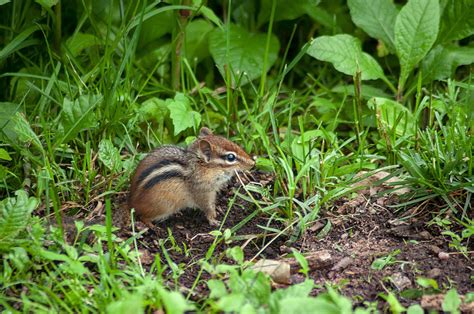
[(47, 3), (416, 29), (451, 301), (128, 303), (80, 41), (217, 288), (242, 53), (197, 40), (7, 111), (15, 213), (78, 115), (110, 155), (307, 305), (2, 2), (442, 61), (175, 302), (376, 18), (154, 28), (285, 10), (153, 109), (182, 115), (19, 42), (24, 131), (415, 309), (457, 21), (345, 53), (395, 306), (231, 302), (366, 92), (4, 155), (393, 116)]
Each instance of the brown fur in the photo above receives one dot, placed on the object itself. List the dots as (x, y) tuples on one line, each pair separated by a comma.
[(200, 172)]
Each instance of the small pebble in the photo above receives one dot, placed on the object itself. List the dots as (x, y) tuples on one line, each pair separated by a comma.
[(443, 255), (434, 273)]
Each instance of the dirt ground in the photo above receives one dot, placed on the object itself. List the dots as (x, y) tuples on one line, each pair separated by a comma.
[(363, 229)]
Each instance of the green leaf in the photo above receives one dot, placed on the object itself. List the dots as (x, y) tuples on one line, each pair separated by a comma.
[(307, 305), (80, 41), (416, 29), (451, 301), (285, 10), (415, 309), (19, 42), (47, 3), (236, 254), (2, 2), (442, 61), (78, 115), (7, 111), (110, 155), (231, 302), (128, 303), (174, 302), (4, 155), (182, 115), (217, 288), (345, 53), (457, 21), (393, 116), (15, 213), (242, 53), (24, 131), (376, 18), (395, 306), (197, 40), (427, 283)]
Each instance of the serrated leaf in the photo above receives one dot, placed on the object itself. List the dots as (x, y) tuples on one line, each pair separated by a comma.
[(242, 53), (442, 61), (416, 29), (376, 18), (80, 41), (78, 115), (4, 155), (15, 213), (345, 53), (109, 155), (457, 21), (182, 115)]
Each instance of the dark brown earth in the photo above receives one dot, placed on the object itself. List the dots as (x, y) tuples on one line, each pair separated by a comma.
[(363, 229)]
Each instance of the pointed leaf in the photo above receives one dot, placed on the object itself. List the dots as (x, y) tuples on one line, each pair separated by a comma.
[(457, 21), (416, 29), (345, 53), (376, 18), (242, 53), (182, 115), (78, 115)]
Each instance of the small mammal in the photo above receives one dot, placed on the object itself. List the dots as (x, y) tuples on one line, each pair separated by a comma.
[(172, 178)]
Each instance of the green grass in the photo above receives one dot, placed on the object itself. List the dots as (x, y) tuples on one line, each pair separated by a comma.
[(83, 100)]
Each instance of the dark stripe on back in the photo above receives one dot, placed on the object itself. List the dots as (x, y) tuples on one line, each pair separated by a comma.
[(161, 163), (162, 177)]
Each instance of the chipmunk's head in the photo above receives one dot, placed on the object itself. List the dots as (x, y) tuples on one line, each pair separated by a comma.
[(217, 151)]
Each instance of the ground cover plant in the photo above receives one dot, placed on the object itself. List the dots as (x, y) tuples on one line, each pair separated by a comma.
[(361, 113)]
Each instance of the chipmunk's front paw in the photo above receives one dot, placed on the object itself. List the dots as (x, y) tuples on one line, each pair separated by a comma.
[(213, 222)]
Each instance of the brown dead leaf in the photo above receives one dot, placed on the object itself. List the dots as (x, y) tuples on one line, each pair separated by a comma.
[(279, 271)]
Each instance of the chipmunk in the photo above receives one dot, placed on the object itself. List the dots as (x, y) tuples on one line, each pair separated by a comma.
[(172, 178)]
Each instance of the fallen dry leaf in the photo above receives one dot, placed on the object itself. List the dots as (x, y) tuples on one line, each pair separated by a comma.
[(279, 271)]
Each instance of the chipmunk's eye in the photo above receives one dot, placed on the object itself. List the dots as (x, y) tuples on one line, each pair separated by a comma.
[(230, 157)]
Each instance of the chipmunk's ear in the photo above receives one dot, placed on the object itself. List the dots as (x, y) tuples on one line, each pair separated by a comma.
[(204, 132), (205, 150)]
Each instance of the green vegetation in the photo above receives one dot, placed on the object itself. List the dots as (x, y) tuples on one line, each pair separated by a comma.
[(87, 87)]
